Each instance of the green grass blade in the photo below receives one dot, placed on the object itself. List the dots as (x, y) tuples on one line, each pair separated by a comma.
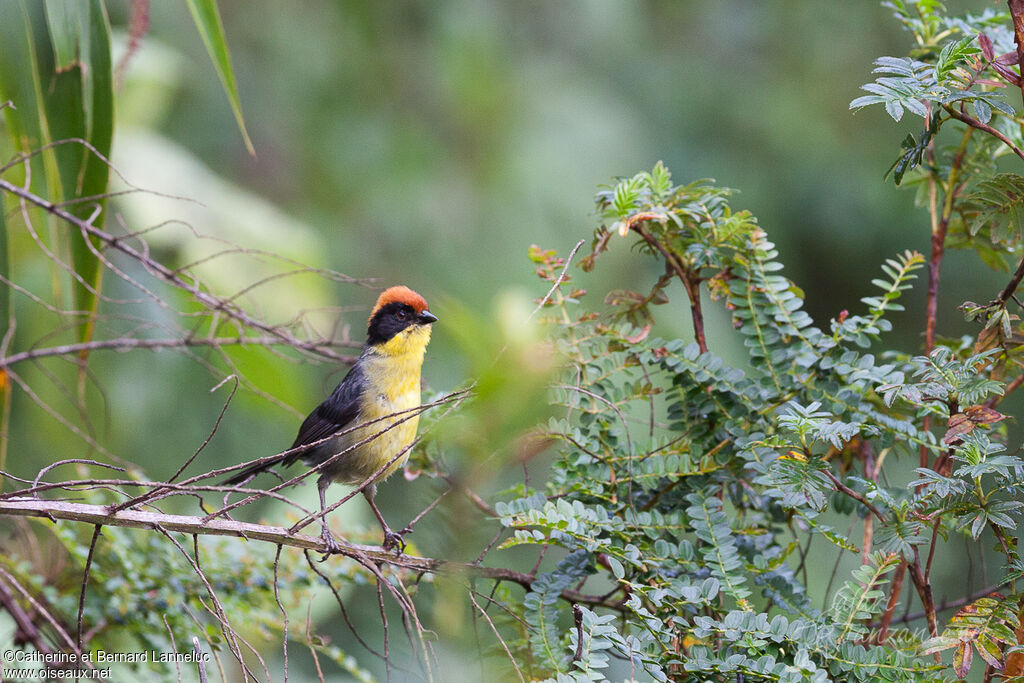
[(19, 83), (66, 20), (98, 110), (207, 19), (56, 67)]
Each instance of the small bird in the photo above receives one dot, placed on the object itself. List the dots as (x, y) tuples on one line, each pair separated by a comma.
[(381, 388)]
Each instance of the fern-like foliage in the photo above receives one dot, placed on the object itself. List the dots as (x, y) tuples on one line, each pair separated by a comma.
[(685, 489), (680, 479), (910, 85), (861, 600), (996, 206), (711, 525), (985, 626)]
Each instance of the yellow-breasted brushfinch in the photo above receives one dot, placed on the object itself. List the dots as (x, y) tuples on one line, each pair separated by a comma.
[(380, 389)]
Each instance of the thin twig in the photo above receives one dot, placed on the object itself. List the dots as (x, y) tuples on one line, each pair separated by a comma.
[(130, 343), (846, 490), (201, 296), (975, 123), (280, 606), (497, 635), (85, 580), (384, 622), (559, 280), (341, 605)]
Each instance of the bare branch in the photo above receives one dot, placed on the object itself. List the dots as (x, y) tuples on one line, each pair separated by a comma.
[(129, 343), (199, 526)]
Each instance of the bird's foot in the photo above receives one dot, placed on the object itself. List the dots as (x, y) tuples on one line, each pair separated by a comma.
[(395, 540), (330, 542)]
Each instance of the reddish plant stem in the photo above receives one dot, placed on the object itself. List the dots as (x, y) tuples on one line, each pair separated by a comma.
[(1008, 549), (894, 600), (931, 548), (975, 123), (1010, 388), (1017, 13), (1011, 286), (690, 280), (924, 591), (932, 302), (692, 286), (847, 491)]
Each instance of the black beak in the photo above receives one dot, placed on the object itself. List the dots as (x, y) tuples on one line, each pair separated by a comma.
[(426, 318)]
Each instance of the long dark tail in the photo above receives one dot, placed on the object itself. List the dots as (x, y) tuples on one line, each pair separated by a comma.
[(252, 471)]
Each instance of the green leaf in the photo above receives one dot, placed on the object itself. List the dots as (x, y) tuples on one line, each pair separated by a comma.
[(207, 19), (860, 600), (66, 20), (56, 68), (98, 87), (997, 204), (907, 82), (913, 150), (19, 84), (953, 55)]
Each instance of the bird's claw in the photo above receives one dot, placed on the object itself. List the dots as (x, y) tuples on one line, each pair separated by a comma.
[(394, 541), (332, 545)]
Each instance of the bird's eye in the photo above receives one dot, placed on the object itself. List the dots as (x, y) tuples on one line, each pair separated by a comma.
[(401, 315)]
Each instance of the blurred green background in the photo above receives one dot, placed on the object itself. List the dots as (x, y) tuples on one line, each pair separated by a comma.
[(431, 143)]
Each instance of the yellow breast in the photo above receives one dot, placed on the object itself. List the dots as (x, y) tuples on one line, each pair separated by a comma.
[(392, 372)]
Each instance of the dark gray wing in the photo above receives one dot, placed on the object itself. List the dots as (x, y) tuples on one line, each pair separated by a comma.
[(334, 414), (340, 408)]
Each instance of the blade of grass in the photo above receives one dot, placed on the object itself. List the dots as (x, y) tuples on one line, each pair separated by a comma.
[(98, 101), (66, 20), (19, 83), (56, 67), (207, 19)]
